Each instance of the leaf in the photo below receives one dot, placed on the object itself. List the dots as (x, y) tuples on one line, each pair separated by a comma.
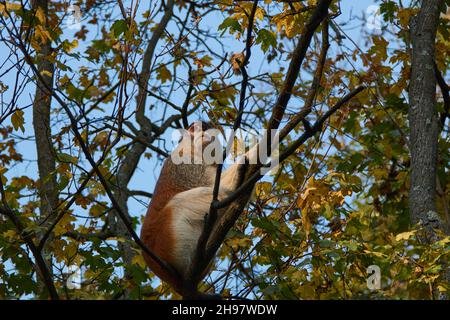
[(67, 158), (326, 243), (10, 234), (64, 225), (375, 253), (42, 34), (40, 15), (96, 210), (266, 38), (306, 223), (119, 27), (8, 7), (265, 224), (17, 120), (442, 289), (404, 235), (230, 23), (46, 73), (259, 13), (388, 9), (164, 74), (139, 260), (69, 46)]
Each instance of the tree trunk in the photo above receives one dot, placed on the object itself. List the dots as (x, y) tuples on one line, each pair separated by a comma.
[(424, 124), (423, 119), (47, 187)]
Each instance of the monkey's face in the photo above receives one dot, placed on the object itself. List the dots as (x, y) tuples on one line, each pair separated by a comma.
[(201, 136), (199, 144)]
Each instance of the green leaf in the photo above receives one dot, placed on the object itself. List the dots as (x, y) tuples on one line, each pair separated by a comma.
[(67, 158), (388, 9), (266, 38), (265, 224), (164, 74), (326, 243), (119, 27), (230, 23)]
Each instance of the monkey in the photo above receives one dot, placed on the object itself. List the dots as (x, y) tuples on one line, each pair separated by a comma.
[(182, 197)]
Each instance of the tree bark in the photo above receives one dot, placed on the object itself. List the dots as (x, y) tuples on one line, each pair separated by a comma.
[(423, 119), (47, 186)]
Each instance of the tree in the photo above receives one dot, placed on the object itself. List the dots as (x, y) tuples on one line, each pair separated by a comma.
[(99, 98), (423, 116)]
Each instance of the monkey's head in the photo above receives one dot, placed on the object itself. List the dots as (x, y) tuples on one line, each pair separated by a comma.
[(201, 126), (198, 144)]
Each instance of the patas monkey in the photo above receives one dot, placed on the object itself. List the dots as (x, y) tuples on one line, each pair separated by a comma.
[(182, 197)]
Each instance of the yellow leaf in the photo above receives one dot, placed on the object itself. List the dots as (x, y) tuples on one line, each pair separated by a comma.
[(13, 6), (259, 14), (42, 34), (40, 15), (442, 289), (139, 260), (306, 223), (263, 188), (17, 120), (64, 80), (69, 46), (10, 234), (71, 249), (64, 225), (375, 253), (380, 173), (9, 6), (46, 73), (404, 235), (447, 14)]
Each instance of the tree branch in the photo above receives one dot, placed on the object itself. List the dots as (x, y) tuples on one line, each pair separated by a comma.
[(199, 263), (214, 233), (445, 95), (73, 124), (318, 15)]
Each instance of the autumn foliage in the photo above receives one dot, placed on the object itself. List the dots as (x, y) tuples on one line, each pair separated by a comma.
[(131, 73)]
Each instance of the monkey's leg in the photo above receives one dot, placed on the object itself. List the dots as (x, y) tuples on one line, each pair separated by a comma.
[(189, 209)]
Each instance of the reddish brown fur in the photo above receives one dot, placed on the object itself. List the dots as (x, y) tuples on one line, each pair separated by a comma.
[(158, 223), (157, 232)]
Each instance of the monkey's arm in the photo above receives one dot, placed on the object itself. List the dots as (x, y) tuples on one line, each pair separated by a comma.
[(231, 176)]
